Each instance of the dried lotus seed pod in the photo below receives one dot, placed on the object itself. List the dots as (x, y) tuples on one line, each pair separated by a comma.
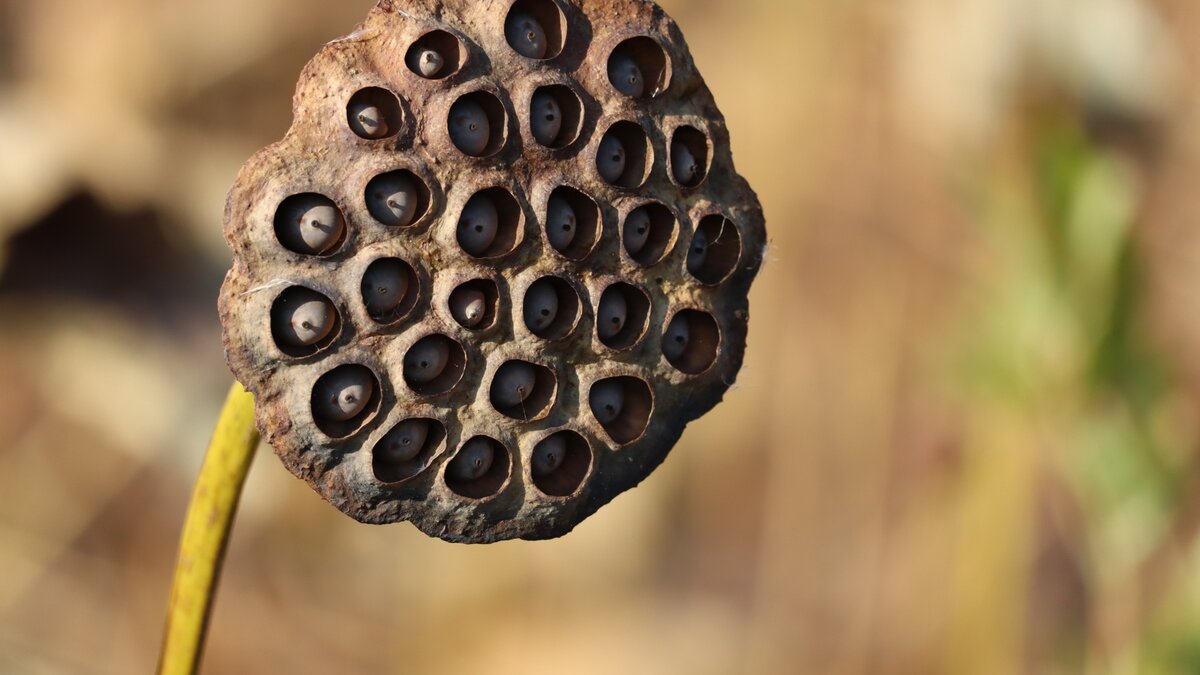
[(472, 461), (426, 360), (637, 231), (611, 314), (548, 455), (429, 62), (367, 121), (607, 400), (404, 442), (626, 76), (610, 158), (309, 223), (477, 225), (561, 223), (384, 286), (342, 394), (526, 35), (545, 118), (541, 306), (468, 307), (513, 383), (675, 339), (470, 129), (392, 199), (683, 164), (303, 323)]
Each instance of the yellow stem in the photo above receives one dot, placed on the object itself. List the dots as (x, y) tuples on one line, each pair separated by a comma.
[(206, 532)]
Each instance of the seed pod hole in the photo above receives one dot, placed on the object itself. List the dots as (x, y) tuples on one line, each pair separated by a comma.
[(390, 290), (397, 198), (624, 155), (434, 365), (691, 341), (572, 223), (436, 55), (551, 308), (690, 156), (475, 304), (479, 469), (406, 449), (639, 68), (478, 124), (714, 250), (622, 315), (522, 390), (374, 113), (309, 224), (649, 233), (560, 462), (303, 322), (555, 116), (622, 406), (535, 28), (490, 224), (343, 399)]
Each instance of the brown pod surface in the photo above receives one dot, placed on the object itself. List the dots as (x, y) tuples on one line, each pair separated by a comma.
[(563, 451)]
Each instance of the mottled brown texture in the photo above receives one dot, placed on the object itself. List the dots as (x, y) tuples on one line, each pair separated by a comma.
[(322, 154)]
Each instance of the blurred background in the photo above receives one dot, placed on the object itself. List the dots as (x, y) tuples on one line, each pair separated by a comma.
[(966, 439)]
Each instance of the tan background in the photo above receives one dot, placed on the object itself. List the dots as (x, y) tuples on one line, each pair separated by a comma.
[(966, 439)]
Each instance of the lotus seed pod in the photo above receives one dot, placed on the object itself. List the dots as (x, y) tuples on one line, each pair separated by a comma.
[(383, 288), (610, 158), (310, 224), (625, 75), (468, 307), (541, 306), (513, 383), (470, 130), (675, 339), (607, 400), (477, 225), (304, 324), (342, 394), (392, 199), (525, 35), (367, 120), (426, 360), (545, 118), (697, 252), (560, 222), (404, 442), (548, 455), (637, 231), (683, 164), (472, 461), (429, 62), (610, 315)]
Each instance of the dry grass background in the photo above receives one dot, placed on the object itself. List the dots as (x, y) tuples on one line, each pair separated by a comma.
[(966, 439)]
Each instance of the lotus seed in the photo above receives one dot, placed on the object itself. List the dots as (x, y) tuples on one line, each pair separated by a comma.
[(697, 252), (675, 340), (513, 384), (468, 306), (560, 222), (626, 76), (610, 158), (310, 224), (429, 62), (683, 164), (342, 394), (472, 461), (607, 399), (303, 324), (545, 119), (426, 360), (477, 225), (548, 455), (637, 231), (469, 127), (541, 306), (392, 199), (404, 442), (367, 120), (384, 286), (610, 316), (525, 35)]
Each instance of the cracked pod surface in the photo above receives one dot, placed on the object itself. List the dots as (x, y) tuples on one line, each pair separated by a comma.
[(497, 264)]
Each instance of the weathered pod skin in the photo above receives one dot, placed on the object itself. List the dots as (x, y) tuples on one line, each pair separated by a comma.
[(321, 154)]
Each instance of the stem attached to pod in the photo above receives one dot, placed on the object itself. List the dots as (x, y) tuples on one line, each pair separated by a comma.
[(206, 533)]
